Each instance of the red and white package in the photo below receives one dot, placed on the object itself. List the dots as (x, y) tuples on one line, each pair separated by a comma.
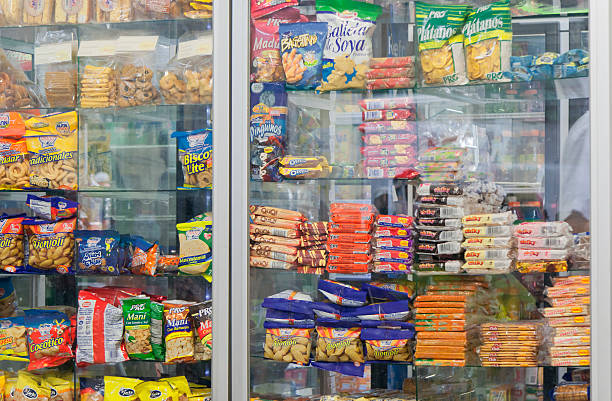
[(50, 338), (390, 161), (389, 139), (406, 172), (350, 228), (375, 151), (388, 103), (391, 267), (542, 254), (353, 217), (347, 247), (99, 331), (381, 127), (383, 73), (346, 258), (388, 115), (348, 268), (114, 295), (391, 62), (340, 207), (259, 8), (390, 83), (357, 238)]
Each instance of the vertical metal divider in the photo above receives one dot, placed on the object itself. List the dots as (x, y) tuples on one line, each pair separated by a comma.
[(221, 190), (600, 39), (239, 240)]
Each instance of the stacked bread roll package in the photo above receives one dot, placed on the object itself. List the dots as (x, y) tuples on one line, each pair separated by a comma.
[(489, 245), (507, 344), (543, 246), (350, 237), (393, 244), (389, 137), (568, 318)]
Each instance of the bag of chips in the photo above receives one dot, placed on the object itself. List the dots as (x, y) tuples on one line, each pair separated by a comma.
[(49, 338), (137, 320), (61, 388), (52, 207), (201, 314), (31, 387), (388, 344), (338, 341), (97, 251), (301, 47), (441, 43), (178, 332), (11, 244), (14, 164), (487, 36), (144, 256), (157, 331), (155, 391), (195, 240), (50, 245)]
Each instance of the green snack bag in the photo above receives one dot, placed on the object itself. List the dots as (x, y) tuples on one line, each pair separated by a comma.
[(488, 42), (441, 43), (137, 321), (195, 255), (157, 331)]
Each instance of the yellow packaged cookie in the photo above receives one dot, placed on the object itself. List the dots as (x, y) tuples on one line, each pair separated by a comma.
[(441, 43), (120, 388), (488, 42)]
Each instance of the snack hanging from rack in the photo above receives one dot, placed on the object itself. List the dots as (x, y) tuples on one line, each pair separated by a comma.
[(441, 43), (195, 244), (98, 86)]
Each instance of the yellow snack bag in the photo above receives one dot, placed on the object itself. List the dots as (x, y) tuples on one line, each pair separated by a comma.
[(488, 41), (61, 388), (120, 388), (13, 342), (31, 387), (181, 385), (2, 382), (9, 388), (155, 391)]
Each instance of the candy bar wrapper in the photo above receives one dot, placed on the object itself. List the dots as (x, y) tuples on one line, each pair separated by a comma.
[(387, 127), (565, 311), (542, 254), (394, 244), (381, 255), (315, 237), (265, 253), (278, 248), (562, 242), (313, 244), (406, 102), (484, 254), (310, 270), (276, 213), (388, 115), (257, 229), (542, 229), (438, 224), (342, 247), (476, 266), (387, 73), (385, 231), (388, 291), (486, 242), (579, 361), (390, 83), (358, 228), (274, 239), (341, 207), (396, 310), (443, 176), (392, 62), (440, 236), (488, 231), (384, 151), (439, 190), (405, 172), (353, 217), (432, 167), (442, 200), (577, 301), (395, 221), (357, 238), (571, 280), (495, 219), (391, 267), (442, 248), (342, 294), (389, 161), (312, 261), (268, 263), (440, 212), (542, 267), (570, 321), (392, 138), (274, 222), (342, 258), (451, 266), (348, 268), (314, 228)]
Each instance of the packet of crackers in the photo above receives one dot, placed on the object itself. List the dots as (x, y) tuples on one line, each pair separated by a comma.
[(441, 43), (52, 141), (54, 57), (14, 164), (195, 155), (13, 340), (178, 332), (487, 37), (11, 244), (348, 47)]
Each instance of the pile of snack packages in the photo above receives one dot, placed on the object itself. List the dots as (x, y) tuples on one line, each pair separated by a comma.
[(49, 242), (353, 326), (109, 387), (111, 325), (543, 246), (576, 386), (510, 343), (570, 321)]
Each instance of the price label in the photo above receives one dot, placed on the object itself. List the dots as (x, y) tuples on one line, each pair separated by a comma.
[(94, 48), (129, 44), (53, 53), (198, 47)]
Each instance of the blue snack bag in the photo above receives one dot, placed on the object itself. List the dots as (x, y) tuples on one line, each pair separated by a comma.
[(52, 207), (302, 47), (195, 155), (97, 251), (342, 294)]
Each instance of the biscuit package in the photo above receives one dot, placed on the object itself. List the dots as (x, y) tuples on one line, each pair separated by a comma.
[(195, 155), (55, 66), (135, 80), (113, 10), (10, 12), (338, 341), (11, 244), (98, 86), (178, 332), (202, 316), (301, 46), (13, 340), (288, 344), (52, 207), (348, 47), (120, 388), (14, 166), (137, 321), (73, 12), (97, 251), (488, 41), (441, 43)]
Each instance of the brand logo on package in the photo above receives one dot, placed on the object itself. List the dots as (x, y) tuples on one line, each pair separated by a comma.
[(30, 393), (155, 394), (5, 120), (93, 241), (47, 141), (197, 140), (347, 14), (193, 234), (63, 127), (126, 392)]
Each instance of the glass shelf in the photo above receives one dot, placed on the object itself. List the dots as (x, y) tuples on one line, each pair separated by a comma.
[(137, 24)]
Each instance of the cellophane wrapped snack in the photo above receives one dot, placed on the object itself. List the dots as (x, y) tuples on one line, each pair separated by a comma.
[(55, 66), (288, 344)]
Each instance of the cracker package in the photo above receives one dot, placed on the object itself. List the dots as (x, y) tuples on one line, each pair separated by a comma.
[(14, 165), (488, 41), (195, 155), (56, 64), (301, 47), (13, 342), (30, 387), (348, 47), (62, 389), (52, 142), (441, 43), (178, 332), (195, 240), (50, 245), (137, 320)]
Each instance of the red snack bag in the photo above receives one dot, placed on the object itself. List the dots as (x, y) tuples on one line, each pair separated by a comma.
[(349, 247), (390, 83), (14, 161), (337, 208), (144, 257), (391, 267), (388, 115), (387, 103), (389, 139), (348, 267), (391, 62), (382, 73), (259, 8), (347, 258), (114, 295), (353, 217), (356, 238), (358, 228), (49, 338), (265, 54)]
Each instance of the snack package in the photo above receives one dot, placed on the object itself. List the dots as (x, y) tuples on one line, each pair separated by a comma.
[(91, 389), (195, 244), (11, 244), (13, 339), (338, 341), (201, 315), (31, 387), (288, 344), (301, 47), (290, 301), (98, 84), (50, 244), (153, 390), (8, 298), (195, 155), (157, 331), (54, 60), (261, 8), (52, 142), (73, 12), (388, 344), (62, 389), (395, 310), (10, 12), (342, 294), (144, 256), (113, 11), (388, 291), (37, 12), (441, 43), (97, 251), (348, 47), (14, 164), (487, 36), (178, 332), (120, 388), (135, 80), (99, 331), (52, 207), (137, 321), (49, 338)]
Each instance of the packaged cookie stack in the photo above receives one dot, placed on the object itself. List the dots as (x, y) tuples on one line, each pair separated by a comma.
[(510, 344), (312, 254), (390, 73), (489, 246), (543, 246), (350, 236), (393, 244), (389, 136), (98, 87), (60, 88), (275, 237), (569, 319)]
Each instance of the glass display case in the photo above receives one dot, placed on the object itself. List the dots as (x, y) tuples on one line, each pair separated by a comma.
[(108, 283), (418, 221)]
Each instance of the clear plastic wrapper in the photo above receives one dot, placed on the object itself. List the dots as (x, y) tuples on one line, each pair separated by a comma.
[(488, 231), (484, 254), (287, 344), (443, 200), (488, 242), (388, 103), (495, 219), (542, 229), (11, 11), (542, 267), (562, 242), (389, 139), (565, 311), (56, 72), (73, 12), (440, 236), (113, 11), (439, 189), (98, 84), (37, 12), (388, 344), (438, 224), (440, 212), (16, 90), (571, 391), (338, 341), (541, 254), (135, 79), (485, 266)]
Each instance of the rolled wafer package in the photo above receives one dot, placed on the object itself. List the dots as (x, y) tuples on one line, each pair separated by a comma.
[(277, 213), (274, 239), (279, 248), (392, 62), (390, 83), (314, 237), (274, 222), (263, 262), (385, 127), (314, 228), (283, 257), (277, 231)]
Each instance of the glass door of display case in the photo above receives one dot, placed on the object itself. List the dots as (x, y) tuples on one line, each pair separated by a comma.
[(418, 223), (111, 203)]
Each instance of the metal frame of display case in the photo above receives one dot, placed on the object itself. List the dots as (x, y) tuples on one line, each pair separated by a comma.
[(600, 39)]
